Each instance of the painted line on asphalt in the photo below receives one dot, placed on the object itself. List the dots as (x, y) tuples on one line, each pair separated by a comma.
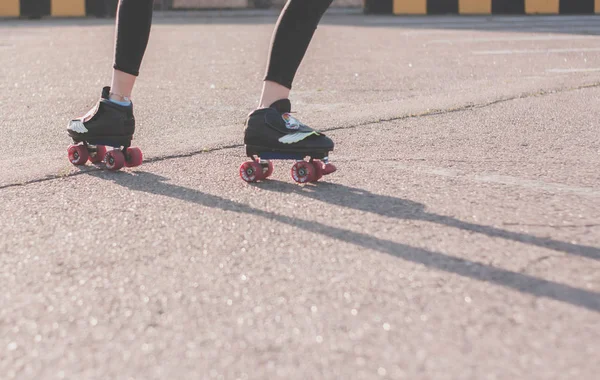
[(535, 184), (510, 39), (562, 71), (535, 51), (502, 180), (488, 21)]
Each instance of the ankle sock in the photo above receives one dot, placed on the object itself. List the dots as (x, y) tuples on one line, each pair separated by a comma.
[(122, 104)]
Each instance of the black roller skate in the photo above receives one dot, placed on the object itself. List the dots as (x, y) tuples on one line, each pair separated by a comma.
[(107, 124), (273, 134)]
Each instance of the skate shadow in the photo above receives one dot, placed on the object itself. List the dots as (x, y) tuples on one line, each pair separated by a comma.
[(155, 184), (391, 207)]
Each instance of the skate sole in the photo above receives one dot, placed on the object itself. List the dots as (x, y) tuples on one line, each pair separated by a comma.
[(284, 154), (113, 141)]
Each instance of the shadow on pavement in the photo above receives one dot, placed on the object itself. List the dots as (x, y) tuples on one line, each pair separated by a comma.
[(155, 184), (391, 207)]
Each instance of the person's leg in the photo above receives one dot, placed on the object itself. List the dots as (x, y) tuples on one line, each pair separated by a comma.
[(293, 33), (111, 121), (134, 18), (270, 130)]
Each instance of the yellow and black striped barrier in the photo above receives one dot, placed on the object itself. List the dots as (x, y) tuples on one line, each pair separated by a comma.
[(482, 7), (74, 8), (40, 8)]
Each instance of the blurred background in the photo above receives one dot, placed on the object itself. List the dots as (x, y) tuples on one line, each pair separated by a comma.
[(107, 8), (104, 8)]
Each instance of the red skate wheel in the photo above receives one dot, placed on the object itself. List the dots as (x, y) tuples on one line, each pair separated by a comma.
[(114, 159), (133, 157), (329, 168), (268, 170), (303, 172), (78, 154), (319, 166), (251, 171), (98, 155)]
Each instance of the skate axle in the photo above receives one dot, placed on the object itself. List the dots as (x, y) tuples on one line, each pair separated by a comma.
[(114, 159), (307, 167)]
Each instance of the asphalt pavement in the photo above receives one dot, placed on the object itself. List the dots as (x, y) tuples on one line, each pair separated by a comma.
[(459, 238)]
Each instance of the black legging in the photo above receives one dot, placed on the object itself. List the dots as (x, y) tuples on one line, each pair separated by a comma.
[(293, 33), (134, 18)]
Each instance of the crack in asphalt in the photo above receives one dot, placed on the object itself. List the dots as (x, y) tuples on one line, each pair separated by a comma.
[(474, 106), (435, 112)]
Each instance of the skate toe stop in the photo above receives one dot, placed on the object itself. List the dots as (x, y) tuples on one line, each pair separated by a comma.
[(329, 168)]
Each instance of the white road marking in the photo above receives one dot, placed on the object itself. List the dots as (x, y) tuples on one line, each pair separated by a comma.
[(486, 21), (499, 179), (511, 39), (534, 51), (534, 184), (573, 70)]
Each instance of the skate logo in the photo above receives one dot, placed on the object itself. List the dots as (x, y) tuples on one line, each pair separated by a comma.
[(290, 122), (296, 137), (77, 126)]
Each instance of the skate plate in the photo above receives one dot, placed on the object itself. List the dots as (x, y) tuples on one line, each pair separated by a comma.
[(261, 166)]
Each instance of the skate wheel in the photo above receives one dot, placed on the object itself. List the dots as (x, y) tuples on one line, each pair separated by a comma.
[(98, 155), (133, 157), (303, 172), (114, 159), (78, 154), (319, 166), (267, 169), (251, 171), (328, 169)]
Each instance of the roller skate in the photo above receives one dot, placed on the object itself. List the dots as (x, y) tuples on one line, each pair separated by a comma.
[(273, 134), (106, 125)]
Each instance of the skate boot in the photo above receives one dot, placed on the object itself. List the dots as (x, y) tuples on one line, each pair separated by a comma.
[(274, 134), (107, 124)]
